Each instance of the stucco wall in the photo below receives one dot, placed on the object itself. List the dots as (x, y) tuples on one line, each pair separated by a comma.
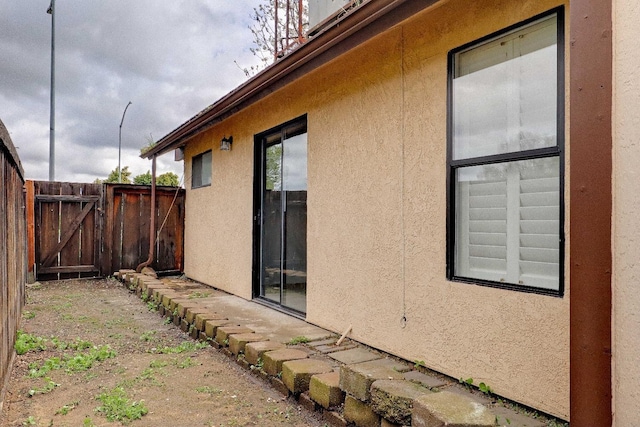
[(626, 227), (377, 212)]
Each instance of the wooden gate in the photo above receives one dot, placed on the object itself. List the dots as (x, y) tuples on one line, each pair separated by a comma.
[(93, 230), (67, 229), (126, 236)]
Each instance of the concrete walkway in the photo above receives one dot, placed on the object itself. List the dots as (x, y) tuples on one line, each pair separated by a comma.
[(349, 383)]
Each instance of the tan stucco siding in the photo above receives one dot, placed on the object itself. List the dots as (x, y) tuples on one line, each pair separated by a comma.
[(218, 218), (626, 206), (377, 212)]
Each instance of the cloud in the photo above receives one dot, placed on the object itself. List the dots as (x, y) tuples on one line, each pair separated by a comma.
[(170, 59)]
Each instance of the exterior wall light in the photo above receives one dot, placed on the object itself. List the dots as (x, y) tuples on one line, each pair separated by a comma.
[(225, 143)]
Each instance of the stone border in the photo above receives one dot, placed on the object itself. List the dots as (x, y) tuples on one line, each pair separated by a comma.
[(349, 385)]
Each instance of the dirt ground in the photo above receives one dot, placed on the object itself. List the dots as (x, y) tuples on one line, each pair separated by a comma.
[(146, 366)]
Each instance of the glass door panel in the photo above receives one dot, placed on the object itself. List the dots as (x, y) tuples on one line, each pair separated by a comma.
[(294, 160), (272, 224), (283, 248)]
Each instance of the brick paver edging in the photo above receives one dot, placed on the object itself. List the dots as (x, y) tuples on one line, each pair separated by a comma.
[(349, 385)]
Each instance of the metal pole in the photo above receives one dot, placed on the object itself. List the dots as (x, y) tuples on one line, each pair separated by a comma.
[(52, 113), (152, 220), (120, 143)]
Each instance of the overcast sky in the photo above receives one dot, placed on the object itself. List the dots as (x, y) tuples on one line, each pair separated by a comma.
[(171, 59)]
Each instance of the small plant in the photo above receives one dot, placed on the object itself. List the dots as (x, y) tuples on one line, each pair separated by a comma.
[(147, 336), (182, 348), (28, 315), (298, 340), (78, 362), (82, 362), (145, 296), (419, 364), (468, 383), (260, 363), (152, 306), (48, 387), (157, 364), (30, 421), (485, 388), (116, 406), (208, 390), (79, 344), (148, 374), (87, 422), (48, 365), (168, 320), (185, 363), (60, 345), (197, 294), (67, 408), (27, 342)]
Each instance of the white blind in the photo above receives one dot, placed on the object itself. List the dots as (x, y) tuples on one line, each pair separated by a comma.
[(507, 222)]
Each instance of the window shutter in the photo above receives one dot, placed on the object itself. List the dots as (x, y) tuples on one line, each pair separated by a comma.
[(539, 227)]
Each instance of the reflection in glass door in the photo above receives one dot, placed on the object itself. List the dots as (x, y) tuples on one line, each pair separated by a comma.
[(283, 243)]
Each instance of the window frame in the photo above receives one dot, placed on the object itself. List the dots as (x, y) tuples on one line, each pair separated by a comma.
[(193, 175), (546, 152)]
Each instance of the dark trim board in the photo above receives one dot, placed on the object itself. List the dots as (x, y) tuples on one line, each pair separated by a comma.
[(590, 179)]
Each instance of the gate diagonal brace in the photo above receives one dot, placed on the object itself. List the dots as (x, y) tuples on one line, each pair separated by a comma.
[(67, 236)]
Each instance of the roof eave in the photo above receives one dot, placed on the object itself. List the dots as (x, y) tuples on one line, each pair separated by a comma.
[(342, 35)]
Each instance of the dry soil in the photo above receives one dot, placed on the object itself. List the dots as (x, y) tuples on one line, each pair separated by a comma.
[(197, 387)]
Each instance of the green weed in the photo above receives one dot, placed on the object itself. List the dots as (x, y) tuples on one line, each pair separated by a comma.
[(27, 342), (484, 388), (51, 364), (28, 315), (182, 348), (157, 364), (187, 362), (116, 406), (76, 363), (67, 408), (208, 390), (30, 421), (197, 294), (147, 336), (152, 306), (48, 387), (298, 340)]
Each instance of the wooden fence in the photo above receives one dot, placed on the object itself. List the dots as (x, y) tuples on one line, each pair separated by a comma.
[(93, 230), (13, 249)]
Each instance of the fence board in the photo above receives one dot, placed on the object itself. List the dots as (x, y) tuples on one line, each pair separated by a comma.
[(114, 234), (13, 253), (63, 238), (126, 235)]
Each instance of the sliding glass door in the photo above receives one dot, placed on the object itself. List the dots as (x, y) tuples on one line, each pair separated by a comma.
[(283, 216)]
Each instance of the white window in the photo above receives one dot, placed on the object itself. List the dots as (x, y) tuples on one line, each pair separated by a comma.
[(506, 124), (201, 170)]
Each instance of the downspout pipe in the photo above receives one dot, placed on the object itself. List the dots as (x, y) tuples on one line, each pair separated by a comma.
[(152, 227)]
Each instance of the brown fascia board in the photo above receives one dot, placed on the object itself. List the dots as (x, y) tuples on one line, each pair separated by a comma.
[(347, 32)]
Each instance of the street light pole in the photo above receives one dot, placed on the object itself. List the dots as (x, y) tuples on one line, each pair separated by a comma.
[(52, 113), (120, 143)]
